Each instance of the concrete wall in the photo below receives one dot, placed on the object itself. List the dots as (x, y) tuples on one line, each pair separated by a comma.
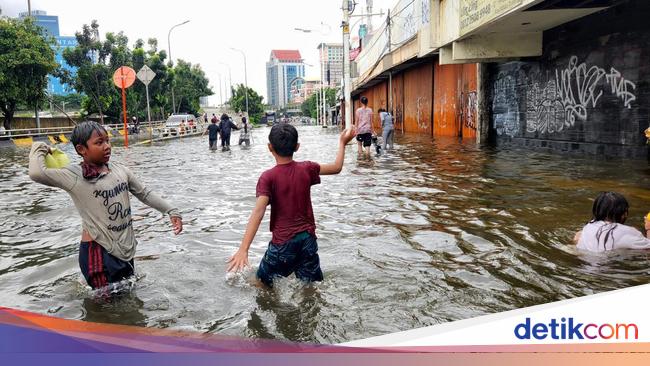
[(587, 93)]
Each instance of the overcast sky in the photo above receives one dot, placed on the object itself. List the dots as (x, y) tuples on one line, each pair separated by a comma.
[(254, 26)]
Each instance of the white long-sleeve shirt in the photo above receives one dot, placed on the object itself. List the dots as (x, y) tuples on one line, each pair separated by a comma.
[(600, 236)]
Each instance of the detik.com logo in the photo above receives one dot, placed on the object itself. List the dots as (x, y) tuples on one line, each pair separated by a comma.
[(568, 328)]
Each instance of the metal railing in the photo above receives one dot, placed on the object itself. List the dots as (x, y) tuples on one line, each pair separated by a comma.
[(46, 131)]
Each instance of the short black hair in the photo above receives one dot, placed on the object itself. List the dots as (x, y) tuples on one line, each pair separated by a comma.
[(364, 100), (82, 132), (284, 139), (224, 117)]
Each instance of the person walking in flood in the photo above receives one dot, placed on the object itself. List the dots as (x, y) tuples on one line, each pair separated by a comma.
[(387, 128), (287, 188), (244, 137), (364, 130), (100, 193), (606, 229), (213, 134), (226, 127)]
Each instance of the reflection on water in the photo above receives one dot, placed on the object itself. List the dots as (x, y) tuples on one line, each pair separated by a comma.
[(433, 232)]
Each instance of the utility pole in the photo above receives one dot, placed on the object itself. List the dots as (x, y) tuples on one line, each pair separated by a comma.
[(346, 63)]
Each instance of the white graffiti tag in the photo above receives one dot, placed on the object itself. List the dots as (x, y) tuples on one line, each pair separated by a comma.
[(577, 88), (505, 106), (620, 87)]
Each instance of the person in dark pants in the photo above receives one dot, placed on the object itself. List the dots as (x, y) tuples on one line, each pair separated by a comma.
[(226, 127), (213, 134)]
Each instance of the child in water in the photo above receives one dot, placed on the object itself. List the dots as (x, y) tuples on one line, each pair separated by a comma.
[(606, 229), (101, 194), (286, 187)]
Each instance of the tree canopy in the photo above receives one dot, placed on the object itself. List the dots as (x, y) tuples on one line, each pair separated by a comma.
[(26, 58), (96, 61), (309, 106), (255, 105)]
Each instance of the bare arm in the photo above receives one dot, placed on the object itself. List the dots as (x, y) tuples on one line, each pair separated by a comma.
[(337, 166), (239, 260)]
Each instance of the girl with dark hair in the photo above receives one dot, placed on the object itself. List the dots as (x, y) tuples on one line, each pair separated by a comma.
[(606, 229)]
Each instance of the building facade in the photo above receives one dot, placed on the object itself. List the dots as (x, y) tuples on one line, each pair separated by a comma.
[(50, 26), (331, 58), (284, 69), (545, 75), (300, 93)]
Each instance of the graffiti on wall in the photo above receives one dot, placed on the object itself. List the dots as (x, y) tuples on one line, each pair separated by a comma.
[(469, 108), (422, 125), (425, 8), (504, 105), (557, 104)]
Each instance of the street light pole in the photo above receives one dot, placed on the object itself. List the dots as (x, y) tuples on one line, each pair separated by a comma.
[(245, 78), (229, 78), (320, 108), (171, 60), (220, 90)]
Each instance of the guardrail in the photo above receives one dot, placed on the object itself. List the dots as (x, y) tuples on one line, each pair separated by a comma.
[(40, 132)]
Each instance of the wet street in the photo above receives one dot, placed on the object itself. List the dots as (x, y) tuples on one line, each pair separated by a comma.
[(433, 232)]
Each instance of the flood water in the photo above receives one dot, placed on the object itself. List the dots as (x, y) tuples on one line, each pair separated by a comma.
[(436, 231)]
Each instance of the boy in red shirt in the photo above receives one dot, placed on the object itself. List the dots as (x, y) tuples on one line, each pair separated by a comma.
[(286, 187)]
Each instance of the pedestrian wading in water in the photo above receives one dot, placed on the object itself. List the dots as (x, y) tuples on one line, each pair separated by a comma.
[(607, 230), (287, 188), (100, 192)]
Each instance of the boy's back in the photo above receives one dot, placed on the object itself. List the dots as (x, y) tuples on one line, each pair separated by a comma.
[(288, 187)]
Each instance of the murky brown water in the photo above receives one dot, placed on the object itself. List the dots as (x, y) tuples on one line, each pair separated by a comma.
[(437, 231)]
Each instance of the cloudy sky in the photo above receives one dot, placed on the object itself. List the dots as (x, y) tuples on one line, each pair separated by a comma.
[(254, 26)]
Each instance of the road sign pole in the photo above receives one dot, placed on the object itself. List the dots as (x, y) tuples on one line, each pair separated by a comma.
[(126, 132), (146, 87)]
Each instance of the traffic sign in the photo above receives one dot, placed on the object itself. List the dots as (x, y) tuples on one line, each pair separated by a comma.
[(146, 75), (124, 77)]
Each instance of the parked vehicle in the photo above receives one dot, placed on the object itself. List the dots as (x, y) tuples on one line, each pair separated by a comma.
[(178, 124), (270, 118)]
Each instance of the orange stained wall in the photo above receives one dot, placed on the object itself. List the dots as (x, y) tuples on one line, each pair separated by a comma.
[(377, 98), (397, 84), (418, 99), (455, 106)]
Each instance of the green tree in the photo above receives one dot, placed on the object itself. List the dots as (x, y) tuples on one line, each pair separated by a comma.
[(309, 106), (190, 84), (93, 73), (26, 58), (255, 105), (97, 61)]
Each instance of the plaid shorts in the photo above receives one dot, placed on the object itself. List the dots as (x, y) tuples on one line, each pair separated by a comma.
[(101, 268)]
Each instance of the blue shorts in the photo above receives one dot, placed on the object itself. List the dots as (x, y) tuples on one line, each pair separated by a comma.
[(299, 255), (99, 267)]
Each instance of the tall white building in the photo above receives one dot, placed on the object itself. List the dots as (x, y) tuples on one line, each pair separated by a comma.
[(331, 57), (284, 68)]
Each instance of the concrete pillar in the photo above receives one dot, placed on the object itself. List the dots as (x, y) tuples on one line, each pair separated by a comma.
[(483, 113)]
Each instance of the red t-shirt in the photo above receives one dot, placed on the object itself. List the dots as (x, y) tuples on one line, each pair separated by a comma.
[(288, 187)]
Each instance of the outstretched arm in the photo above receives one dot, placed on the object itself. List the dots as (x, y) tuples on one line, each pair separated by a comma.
[(146, 196), (239, 260), (337, 166)]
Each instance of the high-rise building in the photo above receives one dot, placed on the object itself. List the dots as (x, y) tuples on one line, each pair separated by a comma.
[(50, 26), (331, 57), (284, 69)]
